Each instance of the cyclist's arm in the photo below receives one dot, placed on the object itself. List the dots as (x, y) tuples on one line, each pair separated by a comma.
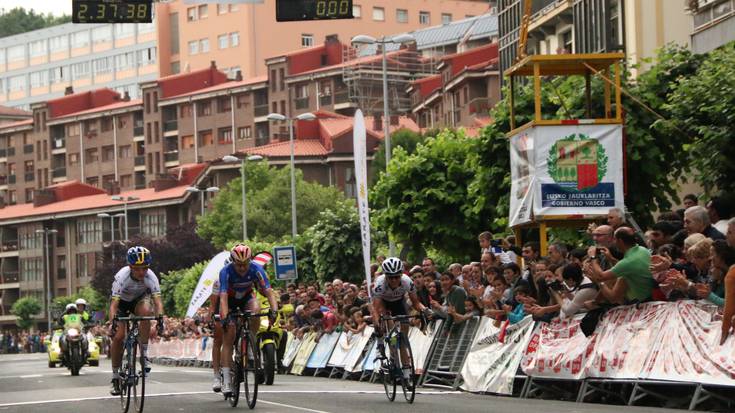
[(223, 308), (113, 306), (265, 288), (158, 303), (271, 299)]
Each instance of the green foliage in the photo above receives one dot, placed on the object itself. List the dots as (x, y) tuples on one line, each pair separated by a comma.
[(403, 138), (95, 300), (268, 206), (702, 108), (19, 20), (25, 308)]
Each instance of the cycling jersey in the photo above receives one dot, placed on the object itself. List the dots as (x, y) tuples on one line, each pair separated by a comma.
[(127, 288), (383, 291), (238, 286)]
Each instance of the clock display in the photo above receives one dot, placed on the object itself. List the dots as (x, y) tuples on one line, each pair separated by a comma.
[(112, 11), (299, 10)]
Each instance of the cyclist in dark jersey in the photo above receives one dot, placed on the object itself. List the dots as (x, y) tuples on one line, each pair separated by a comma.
[(237, 283)]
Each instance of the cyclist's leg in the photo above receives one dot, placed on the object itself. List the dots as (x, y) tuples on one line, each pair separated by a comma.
[(254, 307), (216, 350), (377, 309), (227, 345), (144, 309), (404, 333), (117, 344)]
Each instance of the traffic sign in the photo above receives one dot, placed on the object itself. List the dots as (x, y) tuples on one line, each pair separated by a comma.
[(285, 262)]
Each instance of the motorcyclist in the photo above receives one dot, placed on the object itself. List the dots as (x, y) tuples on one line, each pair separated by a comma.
[(82, 309), (71, 319)]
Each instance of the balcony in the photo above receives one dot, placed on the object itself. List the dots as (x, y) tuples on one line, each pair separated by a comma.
[(480, 106), (58, 143), (30, 177), (58, 173), (281, 136), (11, 151), (260, 110), (11, 179), (325, 100), (302, 102), (172, 156), (169, 126), (140, 160), (10, 245), (3, 180), (10, 277), (341, 97), (28, 148), (138, 130), (3, 153), (61, 273)]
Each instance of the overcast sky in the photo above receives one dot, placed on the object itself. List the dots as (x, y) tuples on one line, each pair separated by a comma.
[(55, 7)]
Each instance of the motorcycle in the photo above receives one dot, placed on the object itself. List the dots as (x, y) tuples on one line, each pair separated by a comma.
[(269, 337), (75, 353)]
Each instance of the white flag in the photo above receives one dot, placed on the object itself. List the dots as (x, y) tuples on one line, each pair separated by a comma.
[(359, 139), (204, 286)]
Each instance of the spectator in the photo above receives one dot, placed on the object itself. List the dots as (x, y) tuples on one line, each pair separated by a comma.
[(572, 296), (455, 269), (558, 254), (632, 275), (435, 290), (530, 253), (690, 200), (719, 210), (485, 239), (453, 296), (723, 257), (696, 221), (487, 260), (615, 218), (430, 268), (729, 312), (731, 233), (661, 234), (516, 313), (471, 310)]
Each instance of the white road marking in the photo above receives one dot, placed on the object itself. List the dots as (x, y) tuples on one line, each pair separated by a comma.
[(30, 376), (292, 406), (29, 403)]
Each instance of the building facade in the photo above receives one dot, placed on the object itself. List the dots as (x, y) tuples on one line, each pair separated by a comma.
[(39, 65), (713, 24)]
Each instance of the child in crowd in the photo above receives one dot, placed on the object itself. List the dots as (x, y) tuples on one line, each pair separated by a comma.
[(516, 314)]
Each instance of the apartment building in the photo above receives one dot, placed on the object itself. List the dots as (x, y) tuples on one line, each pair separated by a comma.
[(713, 24), (12, 115), (39, 65), (461, 94), (74, 250), (239, 37)]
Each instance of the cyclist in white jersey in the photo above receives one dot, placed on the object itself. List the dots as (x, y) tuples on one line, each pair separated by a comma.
[(389, 295), (132, 290)]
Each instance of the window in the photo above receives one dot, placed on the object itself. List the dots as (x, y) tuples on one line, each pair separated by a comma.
[(185, 111), (72, 129), (242, 100), (234, 39), (206, 138), (124, 30), (126, 181), (191, 14), (93, 181), (103, 65), (203, 10), (154, 224), (37, 48), (424, 17), (234, 7), (567, 42), (80, 70), (204, 45), (224, 135), (356, 11), (307, 40), (187, 142), (446, 18), (378, 14), (73, 159), (16, 53), (108, 181), (80, 39), (16, 83), (29, 195), (124, 61), (146, 56), (89, 231), (58, 74), (205, 108), (31, 269), (106, 124), (222, 8), (282, 78), (193, 47), (102, 34), (82, 267), (59, 43), (108, 153), (222, 40), (39, 78), (402, 15), (91, 155), (175, 67), (273, 80), (224, 104), (243, 133), (124, 152)]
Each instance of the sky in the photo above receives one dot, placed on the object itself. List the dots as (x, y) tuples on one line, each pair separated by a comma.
[(55, 7)]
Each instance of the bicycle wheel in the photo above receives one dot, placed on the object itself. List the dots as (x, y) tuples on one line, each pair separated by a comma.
[(236, 373), (407, 384), (389, 382), (125, 374), (251, 369), (139, 383)]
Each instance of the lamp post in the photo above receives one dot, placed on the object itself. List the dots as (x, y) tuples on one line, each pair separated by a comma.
[(280, 117), (363, 39), (251, 158), (194, 189), (104, 215), (47, 264), (125, 200)]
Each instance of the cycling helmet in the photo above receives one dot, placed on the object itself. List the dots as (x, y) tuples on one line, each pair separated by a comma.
[(241, 253), (81, 301), (139, 256), (70, 306), (392, 266)]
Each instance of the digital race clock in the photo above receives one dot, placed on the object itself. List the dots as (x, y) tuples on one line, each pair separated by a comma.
[(112, 11), (297, 10)]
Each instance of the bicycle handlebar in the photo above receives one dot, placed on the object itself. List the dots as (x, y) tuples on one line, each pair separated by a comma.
[(398, 317), (137, 318)]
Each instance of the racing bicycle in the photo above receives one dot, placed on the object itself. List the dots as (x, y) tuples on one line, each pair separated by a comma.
[(134, 369), (245, 359), (391, 368)]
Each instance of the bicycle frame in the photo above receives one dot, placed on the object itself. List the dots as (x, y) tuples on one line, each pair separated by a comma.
[(242, 331), (392, 368), (129, 375)]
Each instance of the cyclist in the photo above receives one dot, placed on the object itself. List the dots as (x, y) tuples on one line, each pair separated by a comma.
[(217, 346), (237, 281), (389, 296), (81, 304), (132, 290)]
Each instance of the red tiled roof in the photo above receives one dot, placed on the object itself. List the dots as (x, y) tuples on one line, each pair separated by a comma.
[(404, 122), (16, 124), (8, 111), (428, 85), (181, 83), (390, 56), (459, 61), (302, 147), (111, 106), (227, 85), (78, 102), (482, 121)]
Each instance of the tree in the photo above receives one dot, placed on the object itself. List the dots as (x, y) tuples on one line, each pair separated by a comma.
[(19, 20), (268, 206), (25, 308), (403, 138), (95, 301), (180, 248), (701, 113)]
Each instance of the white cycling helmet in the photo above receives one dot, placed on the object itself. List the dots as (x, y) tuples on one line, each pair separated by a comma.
[(392, 266), (81, 301)]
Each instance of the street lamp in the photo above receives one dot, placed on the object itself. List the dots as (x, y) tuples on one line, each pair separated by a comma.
[(195, 190), (47, 264), (125, 200), (104, 215), (363, 39), (280, 117), (251, 158)]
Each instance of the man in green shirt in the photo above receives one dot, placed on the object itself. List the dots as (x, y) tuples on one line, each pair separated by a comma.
[(632, 275)]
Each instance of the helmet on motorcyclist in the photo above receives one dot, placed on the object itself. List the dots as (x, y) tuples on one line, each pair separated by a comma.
[(71, 307), (81, 301)]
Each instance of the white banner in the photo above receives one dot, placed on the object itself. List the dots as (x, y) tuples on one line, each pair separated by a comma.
[(207, 279), (359, 142), (558, 350), (421, 343), (319, 357), (491, 365), (521, 174), (352, 360)]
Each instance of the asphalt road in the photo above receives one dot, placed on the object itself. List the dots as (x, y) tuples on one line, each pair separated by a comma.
[(28, 385)]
